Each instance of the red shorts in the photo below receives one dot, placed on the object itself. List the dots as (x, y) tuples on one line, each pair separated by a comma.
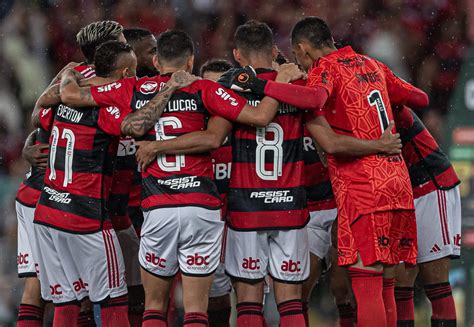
[(386, 237)]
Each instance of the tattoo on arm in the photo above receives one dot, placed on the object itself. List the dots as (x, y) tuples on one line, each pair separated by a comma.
[(139, 122)]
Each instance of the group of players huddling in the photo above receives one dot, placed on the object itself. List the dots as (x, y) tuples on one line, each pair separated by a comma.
[(232, 184)]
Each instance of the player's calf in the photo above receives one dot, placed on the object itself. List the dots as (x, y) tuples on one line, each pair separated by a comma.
[(434, 276), (341, 290), (404, 295)]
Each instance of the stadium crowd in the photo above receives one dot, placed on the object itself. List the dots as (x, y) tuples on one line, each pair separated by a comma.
[(39, 39)]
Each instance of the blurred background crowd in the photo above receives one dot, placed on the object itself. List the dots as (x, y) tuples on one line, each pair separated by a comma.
[(423, 41)]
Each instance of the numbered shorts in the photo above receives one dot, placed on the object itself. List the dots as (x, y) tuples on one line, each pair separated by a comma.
[(74, 266), (130, 244), (438, 219), (387, 237), (221, 284), (26, 240), (185, 238), (319, 231), (283, 254)]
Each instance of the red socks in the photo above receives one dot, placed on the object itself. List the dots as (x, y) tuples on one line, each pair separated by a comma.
[(86, 319), (442, 304), (65, 314), (30, 316), (154, 318), (346, 315), (249, 314), (367, 286), (388, 295), (219, 318), (291, 313), (405, 306), (114, 312), (195, 319)]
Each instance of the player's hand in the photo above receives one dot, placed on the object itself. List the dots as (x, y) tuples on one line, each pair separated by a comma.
[(37, 155), (289, 72), (145, 154), (390, 143), (246, 80), (181, 79)]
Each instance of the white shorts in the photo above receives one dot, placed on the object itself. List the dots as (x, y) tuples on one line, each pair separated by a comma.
[(26, 240), (185, 238), (221, 284), (319, 231), (283, 254), (74, 266), (438, 220), (130, 244)]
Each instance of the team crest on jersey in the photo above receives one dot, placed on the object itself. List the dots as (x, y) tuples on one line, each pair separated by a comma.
[(148, 87)]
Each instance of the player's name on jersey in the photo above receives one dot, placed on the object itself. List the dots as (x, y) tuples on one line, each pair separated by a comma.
[(173, 105), (283, 108), (69, 113)]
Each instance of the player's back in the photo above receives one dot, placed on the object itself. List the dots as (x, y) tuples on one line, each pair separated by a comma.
[(317, 183), (429, 167), (267, 183), (177, 180), (78, 179), (358, 105)]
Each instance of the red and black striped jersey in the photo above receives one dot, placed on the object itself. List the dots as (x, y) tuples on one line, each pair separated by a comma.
[(83, 148), (428, 166), (316, 178), (176, 180), (30, 189), (222, 165), (122, 184), (266, 188)]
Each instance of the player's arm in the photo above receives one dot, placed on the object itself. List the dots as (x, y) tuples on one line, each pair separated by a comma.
[(299, 96), (195, 142), (402, 92), (34, 153), (342, 145), (139, 122), (261, 115), (72, 94)]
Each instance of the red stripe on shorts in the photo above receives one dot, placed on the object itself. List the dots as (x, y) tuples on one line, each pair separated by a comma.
[(117, 272), (104, 236)]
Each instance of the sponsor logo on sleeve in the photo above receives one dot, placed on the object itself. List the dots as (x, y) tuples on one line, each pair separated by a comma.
[(109, 87), (114, 111), (149, 87), (226, 96)]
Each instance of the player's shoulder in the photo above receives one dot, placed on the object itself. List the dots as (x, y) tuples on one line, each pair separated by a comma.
[(86, 70)]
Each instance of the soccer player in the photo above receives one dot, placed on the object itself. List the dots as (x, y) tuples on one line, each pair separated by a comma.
[(254, 44), (88, 38), (219, 296), (77, 251), (180, 184), (322, 211), (373, 193), (438, 218), (144, 45)]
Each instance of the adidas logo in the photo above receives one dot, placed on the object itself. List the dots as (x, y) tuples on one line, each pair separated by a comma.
[(435, 249)]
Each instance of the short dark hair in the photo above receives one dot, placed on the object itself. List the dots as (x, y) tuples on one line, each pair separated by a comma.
[(254, 36), (216, 65), (174, 46), (94, 34), (136, 34), (106, 56), (314, 30)]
